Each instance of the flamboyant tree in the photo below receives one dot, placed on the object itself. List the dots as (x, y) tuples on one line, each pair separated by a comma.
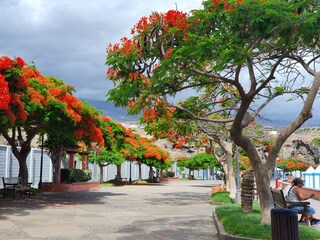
[(179, 127), (104, 157), (143, 151), (23, 107), (155, 156), (122, 144), (199, 161), (292, 164), (32, 104), (236, 56), (81, 124), (114, 142)]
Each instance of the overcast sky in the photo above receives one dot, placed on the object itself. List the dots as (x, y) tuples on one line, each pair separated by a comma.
[(68, 38)]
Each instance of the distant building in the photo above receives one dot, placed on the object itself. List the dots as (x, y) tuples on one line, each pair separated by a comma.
[(269, 130)]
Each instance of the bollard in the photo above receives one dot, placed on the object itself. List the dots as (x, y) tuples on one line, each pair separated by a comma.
[(284, 224)]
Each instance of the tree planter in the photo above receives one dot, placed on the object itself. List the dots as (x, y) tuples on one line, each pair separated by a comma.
[(69, 187), (221, 188), (169, 179)]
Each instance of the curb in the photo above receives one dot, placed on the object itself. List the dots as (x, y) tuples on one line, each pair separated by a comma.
[(222, 235)]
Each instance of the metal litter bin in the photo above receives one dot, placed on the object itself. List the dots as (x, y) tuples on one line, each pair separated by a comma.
[(284, 224)]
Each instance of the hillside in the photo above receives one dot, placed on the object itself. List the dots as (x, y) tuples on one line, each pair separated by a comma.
[(298, 145), (110, 110)]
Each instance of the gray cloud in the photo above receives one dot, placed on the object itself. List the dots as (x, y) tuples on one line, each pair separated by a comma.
[(68, 39)]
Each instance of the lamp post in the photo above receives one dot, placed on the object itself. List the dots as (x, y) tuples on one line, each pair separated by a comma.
[(41, 163), (95, 166), (238, 194), (130, 180)]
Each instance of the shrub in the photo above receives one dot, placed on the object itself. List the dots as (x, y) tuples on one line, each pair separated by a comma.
[(75, 175), (170, 174), (65, 173)]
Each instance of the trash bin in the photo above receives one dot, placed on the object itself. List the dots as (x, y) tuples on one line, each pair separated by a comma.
[(284, 224)]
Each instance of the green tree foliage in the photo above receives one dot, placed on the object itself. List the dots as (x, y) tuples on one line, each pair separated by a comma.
[(236, 56), (199, 161), (32, 104)]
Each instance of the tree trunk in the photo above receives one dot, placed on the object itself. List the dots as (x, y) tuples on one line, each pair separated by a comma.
[(56, 168), (23, 171), (101, 173), (22, 159), (226, 162), (56, 155), (229, 175), (22, 153), (150, 174), (262, 173), (119, 172), (247, 191), (140, 171)]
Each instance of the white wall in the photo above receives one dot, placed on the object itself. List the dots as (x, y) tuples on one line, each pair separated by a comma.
[(9, 167)]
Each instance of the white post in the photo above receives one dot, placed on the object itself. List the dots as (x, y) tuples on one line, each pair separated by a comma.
[(51, 169), (8, 151), (31, 172), (94, 167)]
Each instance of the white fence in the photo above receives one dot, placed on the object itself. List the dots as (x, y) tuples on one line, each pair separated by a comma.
[(9, 167)]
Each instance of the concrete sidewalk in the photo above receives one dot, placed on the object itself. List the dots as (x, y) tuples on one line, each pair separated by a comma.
[(171, 211)]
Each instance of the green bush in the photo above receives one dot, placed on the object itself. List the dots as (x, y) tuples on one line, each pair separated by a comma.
[(170, 174), (75, 175), (65, 173)]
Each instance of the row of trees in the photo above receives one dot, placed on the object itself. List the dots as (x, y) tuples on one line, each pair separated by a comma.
[(197, 162), (122, 144), (232, 58), (33, 105)]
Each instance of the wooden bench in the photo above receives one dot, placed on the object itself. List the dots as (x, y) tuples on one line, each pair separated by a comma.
[(13, 185), (280, 201)]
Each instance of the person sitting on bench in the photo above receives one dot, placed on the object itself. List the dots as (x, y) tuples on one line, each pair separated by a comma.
[(296, 194)]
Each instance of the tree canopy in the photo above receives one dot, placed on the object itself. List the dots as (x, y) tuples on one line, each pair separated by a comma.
[(198, 161), (32, 103), (233, 58)]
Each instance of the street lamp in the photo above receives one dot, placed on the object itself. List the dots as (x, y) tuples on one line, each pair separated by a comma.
[(41, 162), (130, 180)]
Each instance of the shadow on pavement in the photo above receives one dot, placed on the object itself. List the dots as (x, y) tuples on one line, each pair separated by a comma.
[(182, 229), (20, 205)]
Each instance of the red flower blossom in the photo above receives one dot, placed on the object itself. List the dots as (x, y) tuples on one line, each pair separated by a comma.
[(6, 63), (4, 93), (20, 62)]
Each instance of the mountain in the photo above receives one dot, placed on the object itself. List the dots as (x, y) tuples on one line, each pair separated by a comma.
[(120, 114), (110, 110)]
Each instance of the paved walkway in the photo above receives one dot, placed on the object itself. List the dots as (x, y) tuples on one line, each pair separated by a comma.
[(171, 211)]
